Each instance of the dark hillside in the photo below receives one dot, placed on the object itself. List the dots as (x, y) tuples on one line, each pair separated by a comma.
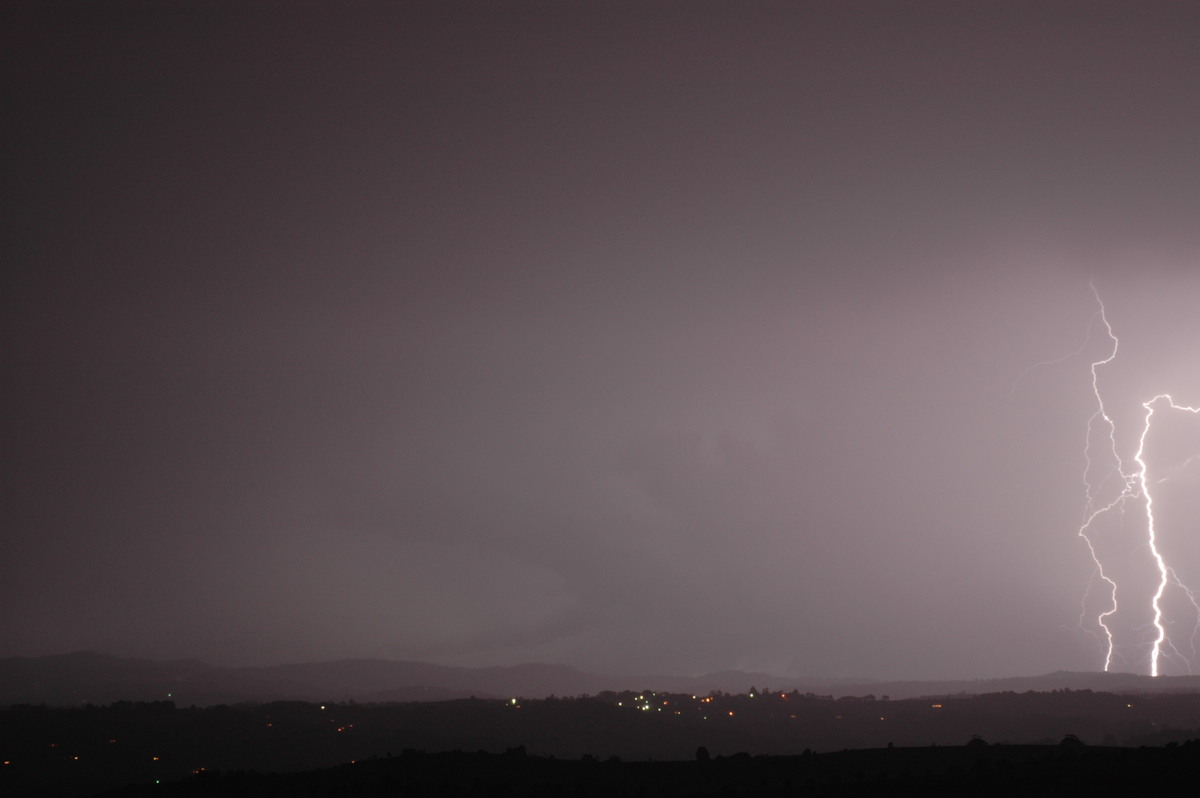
[(77, 751)]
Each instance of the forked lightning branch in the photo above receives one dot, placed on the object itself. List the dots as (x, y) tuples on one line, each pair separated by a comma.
[(1126, 480)]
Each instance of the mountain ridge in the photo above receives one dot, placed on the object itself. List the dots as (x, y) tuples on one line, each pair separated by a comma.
[(85, 677)]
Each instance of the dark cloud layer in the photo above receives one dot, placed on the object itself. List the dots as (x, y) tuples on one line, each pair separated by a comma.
[(649, 336)]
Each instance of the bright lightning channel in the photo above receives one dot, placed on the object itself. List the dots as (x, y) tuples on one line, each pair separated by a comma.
[(1135, 488)]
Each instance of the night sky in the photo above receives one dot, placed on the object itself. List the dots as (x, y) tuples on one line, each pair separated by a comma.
[(641, 337)]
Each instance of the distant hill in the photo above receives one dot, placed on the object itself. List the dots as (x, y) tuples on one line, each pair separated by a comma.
[(88, 677)]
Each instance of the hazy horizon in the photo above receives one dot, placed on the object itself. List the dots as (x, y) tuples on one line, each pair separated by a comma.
[(646, 337), (771, 681)]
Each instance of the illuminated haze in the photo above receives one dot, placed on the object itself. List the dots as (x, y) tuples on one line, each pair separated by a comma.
[(646, 337)]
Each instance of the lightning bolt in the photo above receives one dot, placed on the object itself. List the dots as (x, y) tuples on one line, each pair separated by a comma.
[(1135, 489), (1166, 574)]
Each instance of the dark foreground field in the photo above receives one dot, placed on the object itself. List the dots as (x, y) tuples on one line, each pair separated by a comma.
[(963, 770), (630, 743)]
